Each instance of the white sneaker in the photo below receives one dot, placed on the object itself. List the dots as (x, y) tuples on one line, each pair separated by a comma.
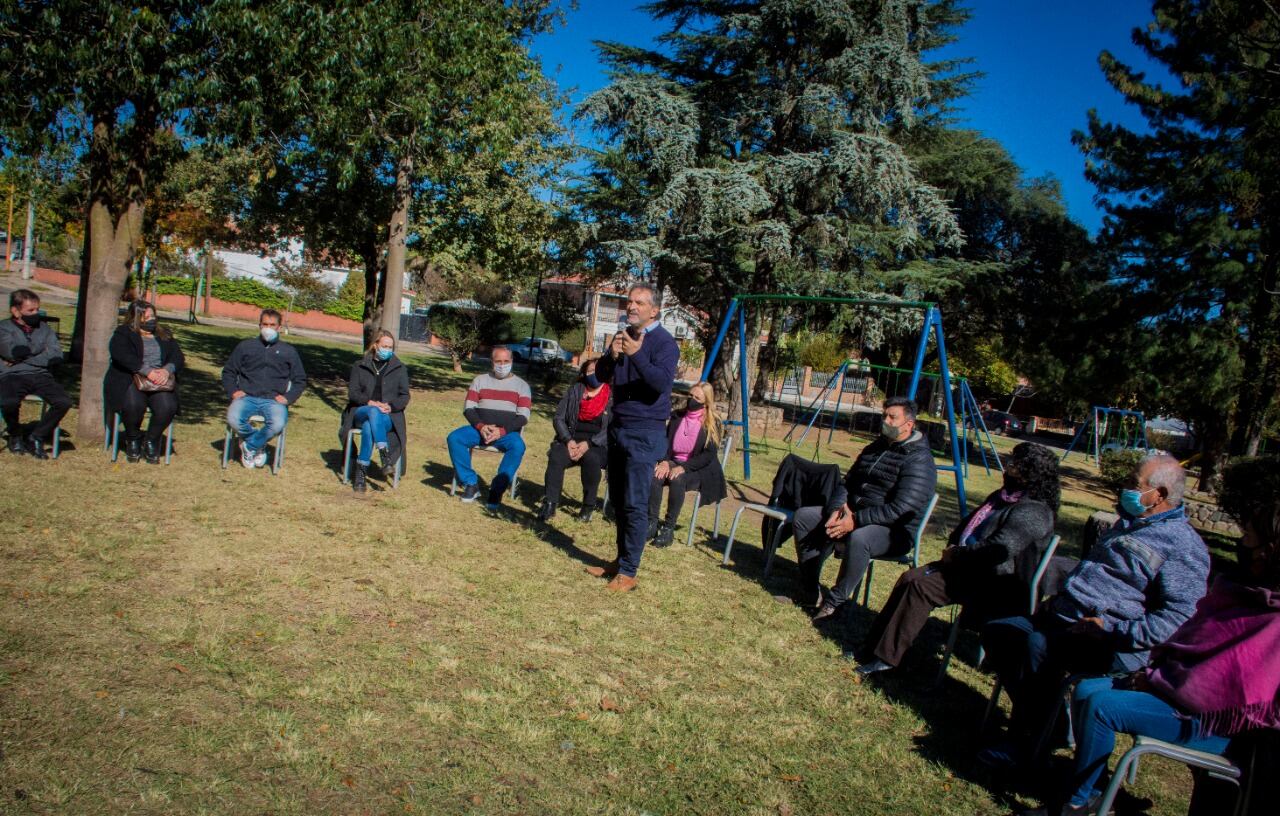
[(247, 457), (260, 458)]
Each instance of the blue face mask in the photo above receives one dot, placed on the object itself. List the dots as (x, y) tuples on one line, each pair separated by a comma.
[(592, 380), (1131, 502), (384, 354)]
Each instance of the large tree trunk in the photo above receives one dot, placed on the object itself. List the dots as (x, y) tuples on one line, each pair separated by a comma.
[(394, 278), (1213, 455), (82, 294), (371, 254)]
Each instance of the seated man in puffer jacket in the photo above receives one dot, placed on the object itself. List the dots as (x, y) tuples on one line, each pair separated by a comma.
[(874, 513)]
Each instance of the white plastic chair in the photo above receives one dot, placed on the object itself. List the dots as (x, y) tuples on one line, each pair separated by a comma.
[(1034, 591), (515, 478), (911, 559), (276, 463), (1216, 766), (349, 450)]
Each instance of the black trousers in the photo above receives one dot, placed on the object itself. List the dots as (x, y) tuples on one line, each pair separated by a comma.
[(163, 405), (686, 482), (592, 464), (814, 548), (15, 387)]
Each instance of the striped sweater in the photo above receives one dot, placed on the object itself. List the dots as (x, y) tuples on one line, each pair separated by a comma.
[(503, 402)]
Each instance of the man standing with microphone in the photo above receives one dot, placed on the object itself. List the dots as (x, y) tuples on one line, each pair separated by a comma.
[(641, 366)]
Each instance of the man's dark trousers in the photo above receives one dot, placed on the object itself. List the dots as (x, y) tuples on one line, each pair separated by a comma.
[(633, 453), (15, 387)]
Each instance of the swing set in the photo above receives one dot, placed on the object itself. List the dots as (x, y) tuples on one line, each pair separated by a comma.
[(932, 326), (1109, 429)]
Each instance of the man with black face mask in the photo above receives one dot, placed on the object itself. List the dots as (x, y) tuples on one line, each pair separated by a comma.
[(874, 513), (28, 349)]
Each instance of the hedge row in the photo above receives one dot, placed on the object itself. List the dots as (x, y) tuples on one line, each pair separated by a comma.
[(348, 304)]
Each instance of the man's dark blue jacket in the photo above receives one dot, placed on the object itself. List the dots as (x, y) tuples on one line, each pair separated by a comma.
[(263, 370), (642, 382)]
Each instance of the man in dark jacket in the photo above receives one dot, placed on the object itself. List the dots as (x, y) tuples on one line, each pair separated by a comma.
[(874, 513), (28, 349), (641, 368), (263, 376)]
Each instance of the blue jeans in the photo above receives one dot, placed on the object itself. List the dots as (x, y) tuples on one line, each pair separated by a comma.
[(463, 439), (255, 439), (1104, 711), (374, 427), (633, 452)]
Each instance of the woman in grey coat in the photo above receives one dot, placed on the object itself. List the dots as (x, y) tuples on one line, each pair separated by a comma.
[(582, 432)]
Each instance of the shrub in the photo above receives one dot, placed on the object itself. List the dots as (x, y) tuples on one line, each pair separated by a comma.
[(822, 352), (350, 300), (1250, 488), (1117, 465)]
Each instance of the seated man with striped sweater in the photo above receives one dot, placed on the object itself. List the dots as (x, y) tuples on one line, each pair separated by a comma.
[(496, 408)]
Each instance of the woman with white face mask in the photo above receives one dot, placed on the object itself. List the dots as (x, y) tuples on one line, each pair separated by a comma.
[(377, 394)]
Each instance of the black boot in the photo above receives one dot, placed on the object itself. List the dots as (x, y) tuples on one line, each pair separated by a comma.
[(16, 443), (652, 531), (666, 534), (361, 481), (132, 450), (586, 513), (35, 447), (547, 510), (151, 450)]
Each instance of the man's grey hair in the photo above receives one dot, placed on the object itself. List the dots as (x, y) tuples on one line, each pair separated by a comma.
[(497, 349), (654, 295), (1166, 473)]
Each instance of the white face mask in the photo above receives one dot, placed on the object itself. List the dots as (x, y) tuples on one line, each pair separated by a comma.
[(501, 370), (268, 334)]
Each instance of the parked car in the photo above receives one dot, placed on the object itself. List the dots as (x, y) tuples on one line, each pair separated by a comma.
[(540, 350), (999, 422)]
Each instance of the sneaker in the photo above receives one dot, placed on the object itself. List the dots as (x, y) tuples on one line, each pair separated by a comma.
[(470, 493), (260, 458), (247, 457), (874, 667)]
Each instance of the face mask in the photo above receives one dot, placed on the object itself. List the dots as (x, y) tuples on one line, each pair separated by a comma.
[(269, 334), (1131, 502), (148, 326), (384, 354), (696, 405), (501, 370), (592, 380), (889, 432), (31, 320)]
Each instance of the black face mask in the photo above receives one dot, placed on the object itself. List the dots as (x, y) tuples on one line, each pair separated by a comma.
[(31, 320), (695, 405), (148, 326)]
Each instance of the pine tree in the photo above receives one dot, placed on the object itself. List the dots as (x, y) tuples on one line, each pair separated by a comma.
[(755, 152), (1193, 208)]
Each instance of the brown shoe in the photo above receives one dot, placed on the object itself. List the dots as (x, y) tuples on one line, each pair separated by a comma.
[(607, 571), (621, 583)]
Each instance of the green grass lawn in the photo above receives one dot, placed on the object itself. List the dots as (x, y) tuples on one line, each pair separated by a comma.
[(185, 639)]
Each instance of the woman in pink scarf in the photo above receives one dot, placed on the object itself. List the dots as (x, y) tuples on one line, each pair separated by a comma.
[(1219, 674)]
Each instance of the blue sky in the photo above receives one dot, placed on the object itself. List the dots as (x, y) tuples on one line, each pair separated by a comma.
[(1039, 58)]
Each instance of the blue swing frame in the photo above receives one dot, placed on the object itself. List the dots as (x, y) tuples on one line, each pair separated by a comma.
[(932, 324)]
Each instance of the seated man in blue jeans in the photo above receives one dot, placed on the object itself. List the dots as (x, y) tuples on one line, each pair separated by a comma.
[(497, 407), (263, 376), (1133, 589)]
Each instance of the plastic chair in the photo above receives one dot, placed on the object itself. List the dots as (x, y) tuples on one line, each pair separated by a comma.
[(112, 440), (1216, 766), (1033, 591), (911, 559), (784, 518), (276, 463), (56, 448), (349, 450), (726, 449), (515, 477)]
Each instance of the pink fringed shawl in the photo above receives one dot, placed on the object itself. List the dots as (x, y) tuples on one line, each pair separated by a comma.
[(1223, 664)]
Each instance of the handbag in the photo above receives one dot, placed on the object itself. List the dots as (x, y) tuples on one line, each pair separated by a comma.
[(144, 385)]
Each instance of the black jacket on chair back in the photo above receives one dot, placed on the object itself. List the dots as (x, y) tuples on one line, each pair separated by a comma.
[(890, 484)]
